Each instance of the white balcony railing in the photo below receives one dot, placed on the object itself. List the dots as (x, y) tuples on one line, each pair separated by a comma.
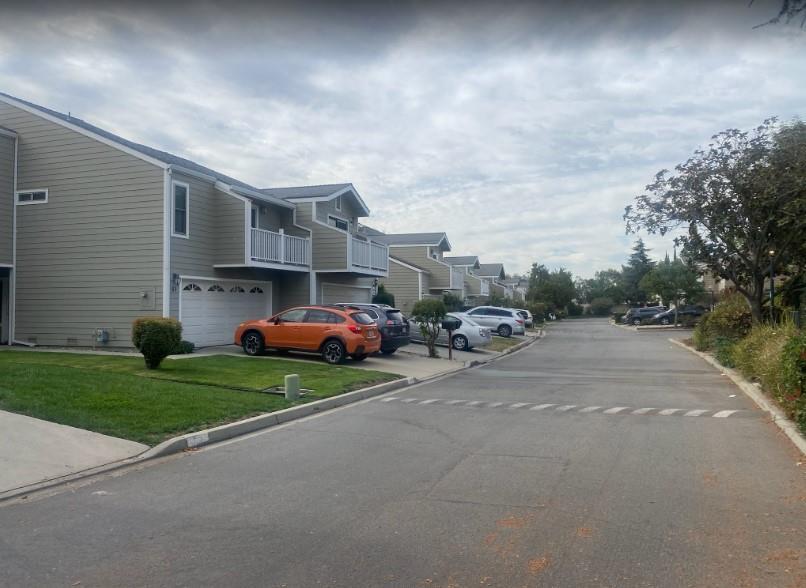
[(457, 278), (369, 255), (270, 247)]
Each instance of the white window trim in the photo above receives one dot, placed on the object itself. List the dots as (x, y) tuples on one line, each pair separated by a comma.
[(347, 222), (338, 203), (186, 234), (18, 192)]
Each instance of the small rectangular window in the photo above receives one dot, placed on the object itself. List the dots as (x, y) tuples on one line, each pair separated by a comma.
[(338, 202), (180, 209), (338, 223), (32, 197)]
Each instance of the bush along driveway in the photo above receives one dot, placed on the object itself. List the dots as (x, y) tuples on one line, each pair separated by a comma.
[(118, 396)]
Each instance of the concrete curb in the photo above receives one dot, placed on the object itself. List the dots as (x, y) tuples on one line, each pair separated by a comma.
[(198, 439), (789, 428), (264, 421)]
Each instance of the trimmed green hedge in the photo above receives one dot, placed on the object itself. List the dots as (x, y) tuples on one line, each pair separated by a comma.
[(156, 338)]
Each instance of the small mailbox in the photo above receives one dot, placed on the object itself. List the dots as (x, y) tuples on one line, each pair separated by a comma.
[(451, 324)]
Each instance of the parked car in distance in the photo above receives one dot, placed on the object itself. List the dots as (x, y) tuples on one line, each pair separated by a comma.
[(470, 334), (527, 317), (394, 329), (667, 316), (637, 316), (504, 321), (332, 331)]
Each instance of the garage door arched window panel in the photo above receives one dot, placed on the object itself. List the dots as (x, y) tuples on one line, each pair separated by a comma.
[(215, 288), (192, 288), (237, 290), (256, 290)]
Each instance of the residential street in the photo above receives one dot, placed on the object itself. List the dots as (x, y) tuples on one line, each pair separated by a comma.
[(560, 465)]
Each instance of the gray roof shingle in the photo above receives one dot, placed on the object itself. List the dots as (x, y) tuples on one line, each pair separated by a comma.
[(294, 192), (412, 238), (461, 260), (493, 270)]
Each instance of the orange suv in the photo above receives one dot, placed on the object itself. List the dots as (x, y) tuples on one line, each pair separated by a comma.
[(334, 332)]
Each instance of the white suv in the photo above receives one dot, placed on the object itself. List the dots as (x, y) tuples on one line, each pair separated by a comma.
[(504, 321)]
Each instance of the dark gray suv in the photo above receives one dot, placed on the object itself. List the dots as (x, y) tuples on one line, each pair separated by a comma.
[(393, 327), (637, 316)]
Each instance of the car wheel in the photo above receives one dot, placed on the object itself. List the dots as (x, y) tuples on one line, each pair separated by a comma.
[(388, 351), (333, 352), (505, 331), (665, 321), (460, 343), (360, 356), (636, 321), (253, 343)]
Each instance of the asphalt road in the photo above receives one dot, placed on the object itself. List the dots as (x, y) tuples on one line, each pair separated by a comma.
[(561, 465)]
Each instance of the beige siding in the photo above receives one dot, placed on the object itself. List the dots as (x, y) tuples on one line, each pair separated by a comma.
[(6, 197), (418, 256), (336, 279), (404, 284), (294, 290), (472, 285), (348, 211), (329, 245), (91, 257)]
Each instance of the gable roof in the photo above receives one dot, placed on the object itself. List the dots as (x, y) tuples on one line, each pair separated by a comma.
[(491, 270), (401, 239), (369, 230), (411, 266), (462, 260), (316, 193), (148, 152)]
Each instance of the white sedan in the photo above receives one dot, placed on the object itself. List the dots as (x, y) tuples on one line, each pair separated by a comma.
[(469, 334)]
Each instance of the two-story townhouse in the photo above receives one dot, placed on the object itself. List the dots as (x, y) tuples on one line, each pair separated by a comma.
[(477, 290), (517, 286), (347, 262), (417, 268), (494, 275), (103, 230)]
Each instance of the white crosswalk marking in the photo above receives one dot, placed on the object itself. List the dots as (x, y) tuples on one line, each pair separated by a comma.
[(616, 410), (590, 409), (473, 403), (518, 404), (542, 406), (390, 399), (695, 413), (454, 401), (407, 400), (429, 401), (642, 411), (723, 414), (565, 408), (669, 411), (495, 404)]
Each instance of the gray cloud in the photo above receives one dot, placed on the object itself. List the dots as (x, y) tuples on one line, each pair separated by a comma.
[(522, 131)]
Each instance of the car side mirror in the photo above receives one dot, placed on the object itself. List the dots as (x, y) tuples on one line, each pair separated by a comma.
[(276, 320)]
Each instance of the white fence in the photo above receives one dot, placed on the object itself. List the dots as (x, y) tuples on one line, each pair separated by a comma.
[(271, 247)]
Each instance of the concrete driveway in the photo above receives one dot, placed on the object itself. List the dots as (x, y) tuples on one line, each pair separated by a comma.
[(33, 450)]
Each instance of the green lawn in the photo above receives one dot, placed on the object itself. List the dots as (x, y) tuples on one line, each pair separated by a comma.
[(116, 395), (502, 343)]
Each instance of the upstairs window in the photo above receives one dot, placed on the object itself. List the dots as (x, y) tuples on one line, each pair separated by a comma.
[(181, 207), (32, 197), (339, 223), (338, 202)]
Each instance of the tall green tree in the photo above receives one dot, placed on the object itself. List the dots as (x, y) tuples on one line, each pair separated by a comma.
[(638, 265), (740, 202), (552, 287), (673, 281), (605, 284)]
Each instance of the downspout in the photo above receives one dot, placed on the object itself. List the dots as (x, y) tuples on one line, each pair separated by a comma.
[(166, 244), (12, 282)]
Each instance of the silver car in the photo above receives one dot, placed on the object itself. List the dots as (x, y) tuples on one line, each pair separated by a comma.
[(504, 321), (527, 316), (469, 334)]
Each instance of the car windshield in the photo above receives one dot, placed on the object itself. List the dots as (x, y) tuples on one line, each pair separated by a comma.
[(362, 318), (464, 318)]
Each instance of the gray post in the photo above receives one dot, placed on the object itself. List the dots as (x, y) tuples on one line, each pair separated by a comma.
[(292, 387)]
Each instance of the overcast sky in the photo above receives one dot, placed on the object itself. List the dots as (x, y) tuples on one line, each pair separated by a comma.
[(520, 131)]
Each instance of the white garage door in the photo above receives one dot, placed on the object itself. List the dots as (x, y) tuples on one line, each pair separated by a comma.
[(332, 293), (211, 309)]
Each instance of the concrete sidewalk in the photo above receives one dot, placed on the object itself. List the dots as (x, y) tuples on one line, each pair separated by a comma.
[(32, 450)]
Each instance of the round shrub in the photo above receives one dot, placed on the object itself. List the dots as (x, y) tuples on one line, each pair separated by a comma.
[(601, 306), (156, 338)]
